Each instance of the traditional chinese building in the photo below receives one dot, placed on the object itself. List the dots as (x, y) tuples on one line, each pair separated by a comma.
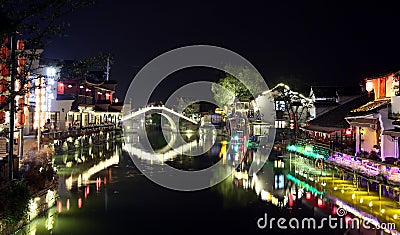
[(373, 122), (93, 101)]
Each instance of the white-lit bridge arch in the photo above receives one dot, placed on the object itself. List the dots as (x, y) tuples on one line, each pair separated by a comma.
[(164, 111)]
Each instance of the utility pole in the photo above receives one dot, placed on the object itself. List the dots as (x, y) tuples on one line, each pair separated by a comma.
[(12, 110)]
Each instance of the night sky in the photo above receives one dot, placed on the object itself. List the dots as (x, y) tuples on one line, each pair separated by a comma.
[(320, 43)]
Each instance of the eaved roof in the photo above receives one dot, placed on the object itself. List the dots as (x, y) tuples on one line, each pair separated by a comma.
[(370, 107), (334, 119)]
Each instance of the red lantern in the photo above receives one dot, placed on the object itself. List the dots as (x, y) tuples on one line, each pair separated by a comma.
[(21, 60), (4, 52), (5, 40), (21, 103), (3, 98), (4, 71), (20, 71), (20, 45), (3, 85), (21, 118), (2, 117)]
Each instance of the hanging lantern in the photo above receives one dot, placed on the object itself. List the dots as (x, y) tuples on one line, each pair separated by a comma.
[(21, 60), (21, 118), (5, 40), (4, 71), (4, 52), (2, 117), (21, 103), (320, 203), (20, 71), (20, 45), (3, 85), (3, 98)]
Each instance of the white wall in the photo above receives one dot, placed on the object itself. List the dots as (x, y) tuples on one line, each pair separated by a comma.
[(388, 147), (58, 106)]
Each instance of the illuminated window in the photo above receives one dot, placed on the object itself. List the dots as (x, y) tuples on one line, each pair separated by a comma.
[(280, 105), (280, 124)]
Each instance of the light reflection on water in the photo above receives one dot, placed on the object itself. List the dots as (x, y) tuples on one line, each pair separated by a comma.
[(101, 192)]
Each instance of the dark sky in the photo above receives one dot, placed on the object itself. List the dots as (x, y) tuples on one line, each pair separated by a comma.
[(321, 42)]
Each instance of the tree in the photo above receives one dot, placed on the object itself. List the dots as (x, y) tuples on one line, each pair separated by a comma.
[(37, 22), (185, 106), (252, 83), (14, 201)]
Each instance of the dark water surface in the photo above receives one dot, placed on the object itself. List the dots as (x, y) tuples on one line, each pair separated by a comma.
[(126, 202)]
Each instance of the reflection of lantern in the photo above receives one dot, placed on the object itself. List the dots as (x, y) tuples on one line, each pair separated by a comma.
[(21, 118), (3, 85), (369, 86), (20, 45), (2, 117), (334, 210), (320, 202), (291, 201)]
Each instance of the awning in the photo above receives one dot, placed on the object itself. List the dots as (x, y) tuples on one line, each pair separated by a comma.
[(364, 122), (392, 132)]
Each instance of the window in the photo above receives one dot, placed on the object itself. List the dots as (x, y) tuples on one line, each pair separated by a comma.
[(280, 105), (280, 124)]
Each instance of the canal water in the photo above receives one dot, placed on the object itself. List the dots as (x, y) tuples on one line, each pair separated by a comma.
[(102, 192)]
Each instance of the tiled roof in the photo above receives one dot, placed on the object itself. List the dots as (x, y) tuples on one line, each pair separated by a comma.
[(370, 107), (334, 119)]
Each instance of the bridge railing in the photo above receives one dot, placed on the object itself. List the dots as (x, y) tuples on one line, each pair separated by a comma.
[(59, 135)]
